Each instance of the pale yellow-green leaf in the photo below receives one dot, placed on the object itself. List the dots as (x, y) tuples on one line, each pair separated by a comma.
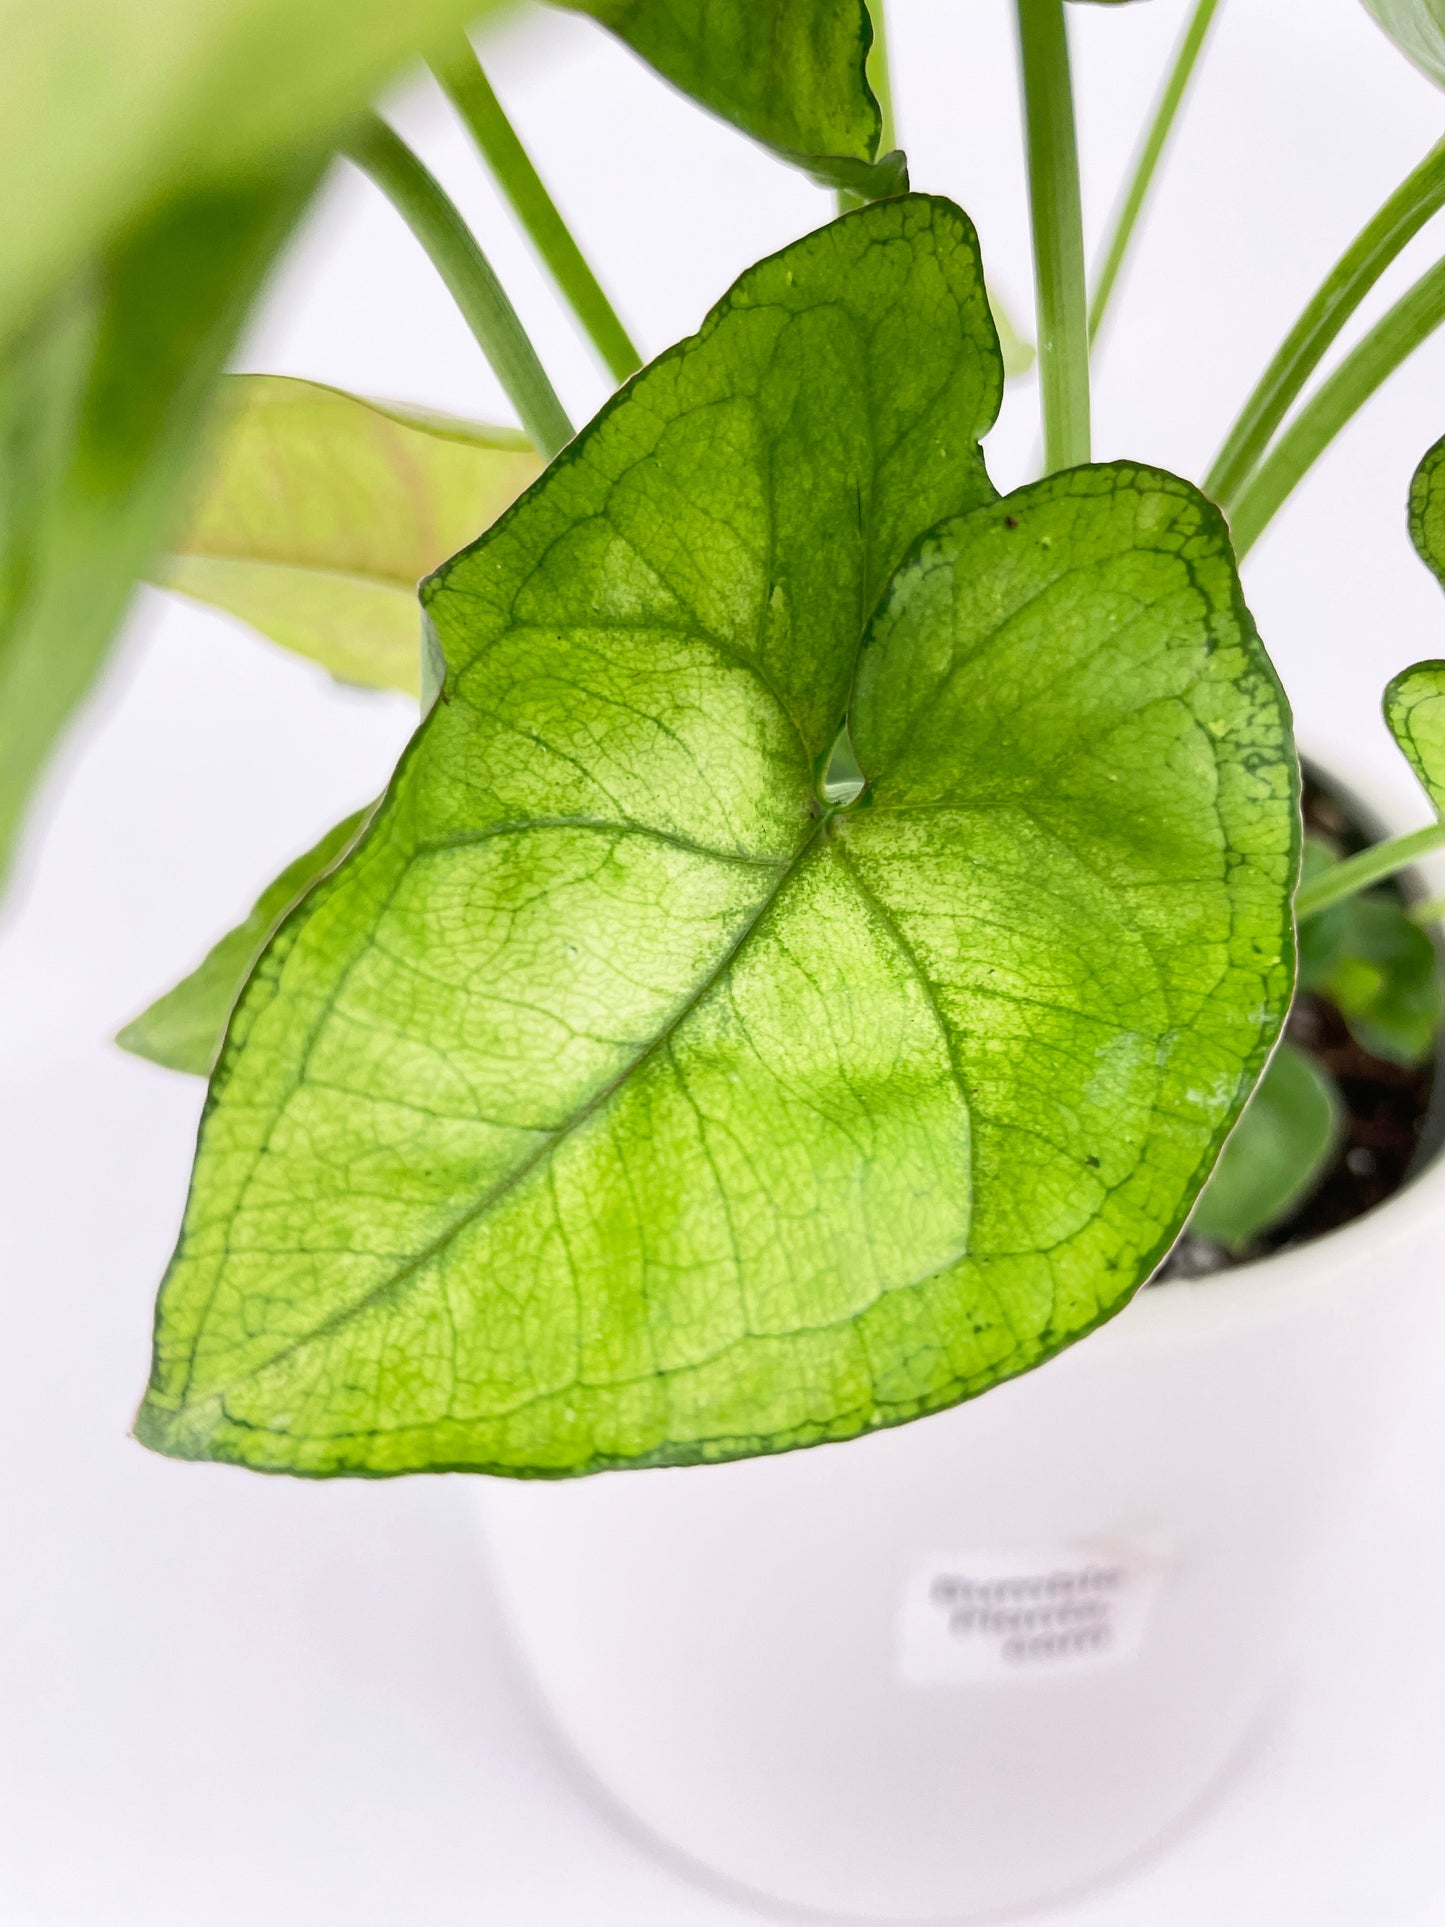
[(318, 513)]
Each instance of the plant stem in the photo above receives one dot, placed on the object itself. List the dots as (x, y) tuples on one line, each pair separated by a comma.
[(466, 85), (1155, 140), (1371, 866), (419, 199), (1388, 343), (1420, 195), (1063, 325)]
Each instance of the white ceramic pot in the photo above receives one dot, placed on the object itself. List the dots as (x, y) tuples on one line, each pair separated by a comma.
[(985, 1659)]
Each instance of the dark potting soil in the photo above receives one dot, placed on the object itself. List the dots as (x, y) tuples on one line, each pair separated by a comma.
[(1387, 1105)]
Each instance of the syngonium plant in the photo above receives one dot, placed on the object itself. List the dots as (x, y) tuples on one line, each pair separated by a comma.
[(831, 917)]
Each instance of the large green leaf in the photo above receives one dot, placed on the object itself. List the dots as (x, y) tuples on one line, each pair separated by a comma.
[(1280, 1149), (318, 514), (1417, 28), (100, 408), (792, 73), (621, 1101), (184, 1029), (110, 110)]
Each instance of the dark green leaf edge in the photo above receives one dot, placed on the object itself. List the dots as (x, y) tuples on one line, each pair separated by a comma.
[(1421, 686)]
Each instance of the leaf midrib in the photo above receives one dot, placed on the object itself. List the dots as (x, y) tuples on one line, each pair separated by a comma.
[(495, 1193)]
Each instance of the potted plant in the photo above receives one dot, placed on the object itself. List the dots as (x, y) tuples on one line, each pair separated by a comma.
[(829, 944)]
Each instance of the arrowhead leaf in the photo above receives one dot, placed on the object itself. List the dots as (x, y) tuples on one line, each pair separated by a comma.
[(618, 1101), (318, 513), (792, 73)]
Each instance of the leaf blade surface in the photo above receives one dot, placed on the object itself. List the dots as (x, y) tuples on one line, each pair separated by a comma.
[(593, 1112), (792, 73)]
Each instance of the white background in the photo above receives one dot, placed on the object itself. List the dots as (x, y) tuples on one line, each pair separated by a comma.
[(229, 1699)]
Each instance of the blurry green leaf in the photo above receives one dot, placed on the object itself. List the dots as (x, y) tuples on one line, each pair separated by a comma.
[(184, 1029), (112, 110), (792, 73), (319, 513), (620, 1101), (1386, 980), (1280, 1149), (1321, 937), (1417, 28), (100, 409), (152, 154), (1370, 957)]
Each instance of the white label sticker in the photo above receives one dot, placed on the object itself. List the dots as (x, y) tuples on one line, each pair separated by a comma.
[(990, 1615)]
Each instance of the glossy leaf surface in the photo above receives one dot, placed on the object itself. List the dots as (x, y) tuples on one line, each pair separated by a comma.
[(792, 73), (1281, 1148), (618, 1101), (184, 1029), (1417, 28), (101, 407), (318, 514)]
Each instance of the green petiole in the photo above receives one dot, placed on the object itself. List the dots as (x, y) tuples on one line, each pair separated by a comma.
[(1420, 195), (1391, 341), (1155, 140), (466, 85), (1369, 867), (433, 218), (1053, 161)]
